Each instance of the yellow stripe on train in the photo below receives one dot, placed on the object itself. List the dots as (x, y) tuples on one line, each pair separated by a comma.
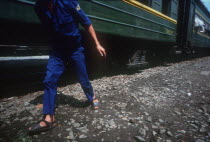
[(150, 10)]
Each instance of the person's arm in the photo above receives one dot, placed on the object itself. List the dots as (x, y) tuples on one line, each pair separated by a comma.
[(99, 48), (86, 23)]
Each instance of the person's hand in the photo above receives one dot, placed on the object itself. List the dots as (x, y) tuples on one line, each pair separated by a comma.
[(101, 50)]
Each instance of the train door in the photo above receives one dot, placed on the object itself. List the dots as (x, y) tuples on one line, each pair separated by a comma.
[(190, 24), (186, 12)]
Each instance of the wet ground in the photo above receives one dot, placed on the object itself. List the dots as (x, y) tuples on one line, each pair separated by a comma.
[(168, 103)]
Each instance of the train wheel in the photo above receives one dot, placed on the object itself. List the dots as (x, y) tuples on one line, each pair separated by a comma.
[(137, 59)]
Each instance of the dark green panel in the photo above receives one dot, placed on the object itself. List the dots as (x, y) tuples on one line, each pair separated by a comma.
[(12, 10), (200, 41), (131, 31), (174, 8), (157, 5), (191, 22), (122, 17)]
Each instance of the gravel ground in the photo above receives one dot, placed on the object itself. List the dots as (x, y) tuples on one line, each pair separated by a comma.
[(168, 103)]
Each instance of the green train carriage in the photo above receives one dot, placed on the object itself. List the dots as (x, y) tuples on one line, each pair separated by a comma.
[(193, 29), (201, 38), (117, 17), (140, 24)]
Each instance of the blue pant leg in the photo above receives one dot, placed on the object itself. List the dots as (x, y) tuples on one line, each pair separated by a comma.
[(79, 65), (55, 68)]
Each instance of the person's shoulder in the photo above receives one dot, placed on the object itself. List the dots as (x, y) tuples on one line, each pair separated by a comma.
[(72, 3)]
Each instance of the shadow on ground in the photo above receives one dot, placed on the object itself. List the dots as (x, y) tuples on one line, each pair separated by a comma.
[(62, 99)]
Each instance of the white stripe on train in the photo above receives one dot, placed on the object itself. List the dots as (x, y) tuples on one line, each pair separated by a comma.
[(24, 58)]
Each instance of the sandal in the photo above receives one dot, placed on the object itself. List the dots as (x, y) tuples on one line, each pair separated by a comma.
[(37, 128), (95, 104)]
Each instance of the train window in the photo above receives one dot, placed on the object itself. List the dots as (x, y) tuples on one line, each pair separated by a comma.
[(170, 8), (146, 2), (199, 24), (166, 7)]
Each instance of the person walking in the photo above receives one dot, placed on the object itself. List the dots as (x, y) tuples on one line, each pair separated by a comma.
[(61, 19)]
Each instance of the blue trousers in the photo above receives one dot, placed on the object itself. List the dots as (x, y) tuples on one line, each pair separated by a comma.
[(55, 68)]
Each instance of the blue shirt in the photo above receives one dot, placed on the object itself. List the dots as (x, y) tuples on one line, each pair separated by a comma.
[(63, 18)]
